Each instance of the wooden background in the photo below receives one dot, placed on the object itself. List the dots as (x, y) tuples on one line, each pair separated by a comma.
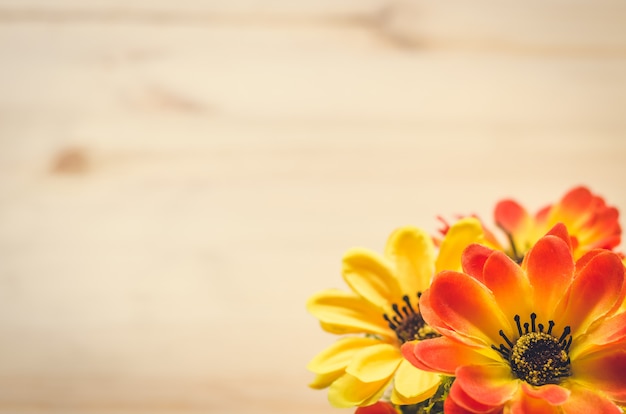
[(176, 178)]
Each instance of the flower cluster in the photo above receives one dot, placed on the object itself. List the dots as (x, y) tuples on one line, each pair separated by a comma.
[(467, 324)]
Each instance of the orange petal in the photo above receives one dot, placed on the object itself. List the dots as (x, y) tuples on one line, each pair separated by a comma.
[(594, 292), (459, 402), (487, 384), (585, 401), (408, 352), (603, 371), (435, 322), (526, 404), (519, 226), (442, 355), (508, 283), (473, 260), (550, 269), (468, 307), (591, 222), (586, 258), (552, 393), (573, 208), (511, 216), (560, 231), (380, 407), (610, 331), (602, 230), (541, 216)]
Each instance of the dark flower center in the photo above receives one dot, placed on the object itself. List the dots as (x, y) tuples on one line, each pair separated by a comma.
[(407, 322), (537, 357)]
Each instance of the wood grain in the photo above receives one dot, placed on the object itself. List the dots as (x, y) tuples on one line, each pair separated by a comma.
[(177, 180)]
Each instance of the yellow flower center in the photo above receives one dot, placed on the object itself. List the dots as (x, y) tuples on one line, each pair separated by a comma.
[(407, 322), (537, 357)]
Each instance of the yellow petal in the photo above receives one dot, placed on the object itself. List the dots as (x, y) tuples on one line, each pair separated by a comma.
[(324, 380), (348, 391), (342, 312), (413, 252), (375, 363), (374, 398), (413, 385), (460, 235), (338, 355), (370, 276)]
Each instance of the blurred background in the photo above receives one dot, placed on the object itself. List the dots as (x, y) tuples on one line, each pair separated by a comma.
[(176, 178)]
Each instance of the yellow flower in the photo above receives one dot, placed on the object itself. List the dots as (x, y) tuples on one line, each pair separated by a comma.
[(383, 305)]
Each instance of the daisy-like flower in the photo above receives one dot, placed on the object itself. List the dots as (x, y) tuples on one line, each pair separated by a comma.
[(540, 338), (590, 221), (381, 407), (383, 311)]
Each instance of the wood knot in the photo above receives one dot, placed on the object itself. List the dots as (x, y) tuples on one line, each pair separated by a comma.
[(71, 161)]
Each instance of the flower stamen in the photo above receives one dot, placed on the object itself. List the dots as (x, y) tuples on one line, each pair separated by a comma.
[(535, 356), (408, 323)]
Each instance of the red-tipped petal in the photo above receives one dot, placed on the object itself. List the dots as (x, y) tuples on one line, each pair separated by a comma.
[(511, 216), (611, 330), (550, 269), (430, 317), (408, 352), (552, 393), (380, 407), (586, 258), (574, 206), (541, 216), (529, 405), (585, 401), (559, 230), (473, 260), (451, 407), (508, 283), (603, 371), (435, 322), (594, 292), (468, 307), (590, 221), (490, 385), (459, 401), (441, 355), (603, 230)]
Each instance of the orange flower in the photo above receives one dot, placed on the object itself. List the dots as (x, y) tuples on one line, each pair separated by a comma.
[(591, 223), (542, 337), (381, 407)]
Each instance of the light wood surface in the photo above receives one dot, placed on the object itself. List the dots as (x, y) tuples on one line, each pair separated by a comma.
[(176, 178)]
